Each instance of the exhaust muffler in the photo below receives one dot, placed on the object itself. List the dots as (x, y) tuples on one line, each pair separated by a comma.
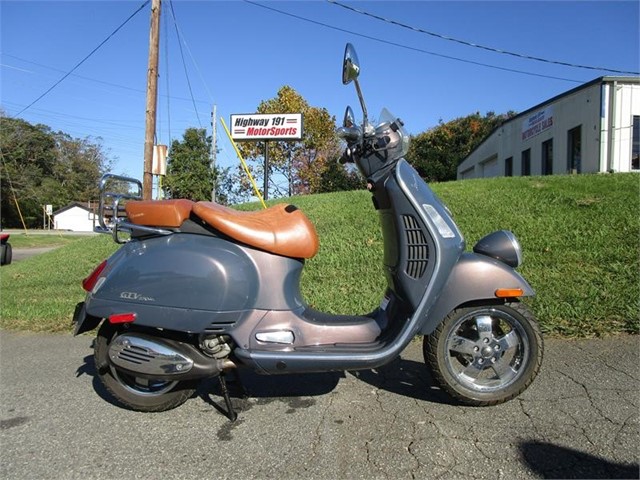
[(150, 357)]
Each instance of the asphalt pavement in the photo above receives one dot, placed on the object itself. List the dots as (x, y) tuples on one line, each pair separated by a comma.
[(19, 254), (579, 419)]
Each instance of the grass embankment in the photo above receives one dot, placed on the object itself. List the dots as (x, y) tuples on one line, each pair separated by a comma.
[(579, 235)]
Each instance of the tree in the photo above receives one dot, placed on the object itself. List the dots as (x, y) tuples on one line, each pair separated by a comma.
[(300, 163), (336, 178), (436, 153), (189, 172), (40, 167), (79, 165)]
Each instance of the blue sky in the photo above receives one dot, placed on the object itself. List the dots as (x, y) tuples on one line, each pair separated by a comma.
[(237, 54)]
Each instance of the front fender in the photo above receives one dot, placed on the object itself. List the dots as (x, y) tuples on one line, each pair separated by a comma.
[(473, 278)]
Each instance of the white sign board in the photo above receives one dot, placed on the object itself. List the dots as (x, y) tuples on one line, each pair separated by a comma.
[(537, 123), (273, 126), (159, 160)]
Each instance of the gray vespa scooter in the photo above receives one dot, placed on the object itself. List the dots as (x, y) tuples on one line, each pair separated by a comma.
[(199, 289)]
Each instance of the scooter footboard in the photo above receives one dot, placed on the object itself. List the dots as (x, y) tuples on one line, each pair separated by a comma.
[(473, 278)]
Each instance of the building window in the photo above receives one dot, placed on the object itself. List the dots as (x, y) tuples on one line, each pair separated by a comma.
[(508, 167), (526, 162), (574, 150), (547, 157), (635, 149)]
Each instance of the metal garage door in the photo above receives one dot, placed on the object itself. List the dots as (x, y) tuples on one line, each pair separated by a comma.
[(490, 168)]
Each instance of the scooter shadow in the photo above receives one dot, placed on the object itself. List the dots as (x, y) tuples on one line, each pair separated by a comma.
[(89, 368), (295, 390), (402, 377), (407, 378)]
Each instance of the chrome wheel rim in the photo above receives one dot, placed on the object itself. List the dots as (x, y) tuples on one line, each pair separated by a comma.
[(487, 350), (143, 386)]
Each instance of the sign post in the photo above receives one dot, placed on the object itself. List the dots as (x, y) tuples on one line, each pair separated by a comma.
[(271, 126), (266, 170)]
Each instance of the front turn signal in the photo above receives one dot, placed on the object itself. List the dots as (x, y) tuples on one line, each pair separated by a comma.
[(509, 292)]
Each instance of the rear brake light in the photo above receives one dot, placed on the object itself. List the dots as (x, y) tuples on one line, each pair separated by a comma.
[(122, 318), (90, 282)]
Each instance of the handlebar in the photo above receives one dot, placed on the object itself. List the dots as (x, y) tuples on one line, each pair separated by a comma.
[(350, 134)]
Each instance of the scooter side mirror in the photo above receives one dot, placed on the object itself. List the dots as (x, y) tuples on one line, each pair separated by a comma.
[(350, 65), (350, 73), (349, 118)]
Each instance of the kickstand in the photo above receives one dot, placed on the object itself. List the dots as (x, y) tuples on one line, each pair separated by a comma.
[(231, 413)]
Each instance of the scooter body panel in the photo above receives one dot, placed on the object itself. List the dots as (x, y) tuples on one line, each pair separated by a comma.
[(473, 278), (209, 285), (400, 195), (424, 251), (459, 277), (182, 271), (193, 283)]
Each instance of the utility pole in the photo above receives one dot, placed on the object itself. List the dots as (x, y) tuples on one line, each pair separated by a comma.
[(214, 151), (152, 100), (265, 194)]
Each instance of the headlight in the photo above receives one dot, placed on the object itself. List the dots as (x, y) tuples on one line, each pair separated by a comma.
[(502, 245)]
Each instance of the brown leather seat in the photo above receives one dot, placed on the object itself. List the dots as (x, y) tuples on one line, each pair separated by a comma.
[(159, 213), (281, 229)]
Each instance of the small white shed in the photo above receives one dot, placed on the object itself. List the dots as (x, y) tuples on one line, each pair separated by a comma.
[(75, 217)]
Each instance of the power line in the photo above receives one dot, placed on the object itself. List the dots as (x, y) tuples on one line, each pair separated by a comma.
[(84, 59), (166, 64), (111, 84), (415, 49), (114, 123), (184, 64), (475, 45), (195, 64)]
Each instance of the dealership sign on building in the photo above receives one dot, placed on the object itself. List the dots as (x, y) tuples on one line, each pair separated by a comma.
[(283, 126), (537, 123)]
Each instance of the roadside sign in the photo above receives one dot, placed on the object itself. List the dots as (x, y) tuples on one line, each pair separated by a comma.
[(275, 126), (159, 160)]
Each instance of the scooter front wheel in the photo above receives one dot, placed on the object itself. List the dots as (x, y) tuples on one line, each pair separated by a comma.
[(485, 355), (141, 394)]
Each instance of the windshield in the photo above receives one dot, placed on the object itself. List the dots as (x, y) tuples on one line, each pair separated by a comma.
[(392, 127)]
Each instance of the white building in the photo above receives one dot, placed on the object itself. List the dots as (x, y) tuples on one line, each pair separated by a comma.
[(592, 128), (75, 217)]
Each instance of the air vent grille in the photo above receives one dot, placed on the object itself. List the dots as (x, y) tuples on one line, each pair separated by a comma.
[(417, 248)]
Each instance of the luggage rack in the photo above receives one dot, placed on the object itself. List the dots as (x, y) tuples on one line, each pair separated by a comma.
[(112, 216)]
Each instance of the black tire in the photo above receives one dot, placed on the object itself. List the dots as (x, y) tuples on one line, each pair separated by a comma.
[(136, 393), (6, 254), (485, 355)]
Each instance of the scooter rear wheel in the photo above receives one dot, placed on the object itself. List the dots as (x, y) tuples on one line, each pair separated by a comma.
[(485, 355), (144, 395)]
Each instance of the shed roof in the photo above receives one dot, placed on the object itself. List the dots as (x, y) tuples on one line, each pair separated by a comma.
[(72, 205)]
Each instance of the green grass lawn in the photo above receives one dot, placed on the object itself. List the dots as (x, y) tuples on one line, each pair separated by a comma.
[(34, 240), (580, 236)]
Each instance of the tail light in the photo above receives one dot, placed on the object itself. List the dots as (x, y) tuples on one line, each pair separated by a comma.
[(90, 282), (122, 318)]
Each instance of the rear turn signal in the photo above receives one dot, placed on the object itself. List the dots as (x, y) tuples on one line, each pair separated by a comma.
[(90, 282), (122, 318), (509, 292)]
